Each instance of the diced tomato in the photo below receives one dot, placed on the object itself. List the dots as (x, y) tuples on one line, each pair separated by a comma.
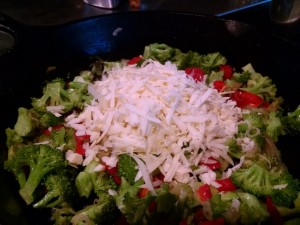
[(275, 215), (228, 71), (79, 143), (196, 73), (134, 60), (212, 166), (217, 221), (227, 185), (204, 192), (219, 85), (113, 172), (246, 99), (143, 192)]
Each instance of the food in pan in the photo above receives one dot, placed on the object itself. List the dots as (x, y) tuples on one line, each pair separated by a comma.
[(166, 137)]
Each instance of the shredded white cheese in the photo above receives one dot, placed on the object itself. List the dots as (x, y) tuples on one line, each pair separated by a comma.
[(152, 112)]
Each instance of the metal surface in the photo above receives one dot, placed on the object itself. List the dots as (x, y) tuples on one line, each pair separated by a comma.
[(285, 11), (106, 4)]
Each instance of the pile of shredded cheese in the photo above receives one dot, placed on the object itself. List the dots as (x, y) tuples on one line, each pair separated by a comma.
[(161, 117)]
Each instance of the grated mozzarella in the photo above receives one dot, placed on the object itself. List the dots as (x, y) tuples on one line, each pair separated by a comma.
[(150, 113)]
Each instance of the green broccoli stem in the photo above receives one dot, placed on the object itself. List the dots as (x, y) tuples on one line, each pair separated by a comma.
[(50, 200), (33, 181)]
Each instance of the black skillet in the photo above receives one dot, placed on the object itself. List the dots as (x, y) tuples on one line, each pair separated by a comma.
[(71, 48)]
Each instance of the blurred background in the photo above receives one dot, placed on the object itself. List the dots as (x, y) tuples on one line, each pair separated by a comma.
[(253, 12)]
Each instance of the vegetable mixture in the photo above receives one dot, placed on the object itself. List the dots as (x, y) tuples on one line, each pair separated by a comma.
[(166, 137)]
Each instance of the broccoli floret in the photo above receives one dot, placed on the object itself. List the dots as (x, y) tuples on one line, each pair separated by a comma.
[(85, 180), (285, 196), (213, 76), (62, 215), (12, 137), (26, 123), (242, 77), (132, 207), (274, 126), (251, 210), (54, 94), (103, 211), (48, 119), (89, 181), (239, 208), (260, 85), (234, 150), (206, 62), (253, 127), (127, 168), (103, 183), (58, 93), (290, 212), (159, 52), (292, 121), (60, 189), (40, 160), (254, 179)]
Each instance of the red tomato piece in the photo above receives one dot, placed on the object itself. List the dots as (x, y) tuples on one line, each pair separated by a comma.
[(79, 143), (143, 192), (134, 60), (228, 71), (275, 215), (204, 192), (196, 73), (246, 99), (219, 85), (212, 166), (227, 185)]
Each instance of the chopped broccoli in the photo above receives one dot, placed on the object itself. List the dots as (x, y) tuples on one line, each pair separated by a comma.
[(127, 168), (12, 137), (85, 180), (58, 93), (40, 161), (132, 208), (274, 126), (103, 183), (239, 208), (253, 127), (159, 52), (242, 77), (251, 210), (89, 181), (62, 215), (213, 76), (254, 179), (260, 85), (292, 121), (234, 150), (103, 211), (26, 124), (60, 189), (290, 212), (286, 196), (48, 119)]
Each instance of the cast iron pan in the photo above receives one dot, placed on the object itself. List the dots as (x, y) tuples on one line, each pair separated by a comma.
[(71, 48)]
